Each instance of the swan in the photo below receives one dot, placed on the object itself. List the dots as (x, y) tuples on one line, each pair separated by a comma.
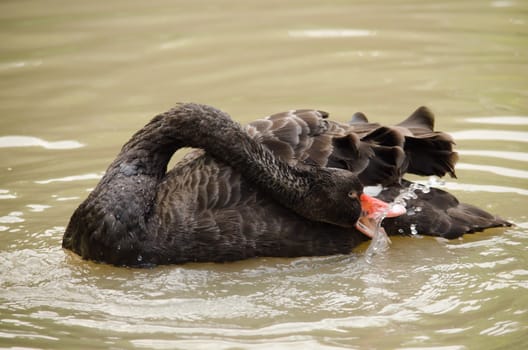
[(291, 184)]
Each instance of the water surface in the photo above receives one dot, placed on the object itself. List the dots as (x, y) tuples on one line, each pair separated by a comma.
[(78, 78)]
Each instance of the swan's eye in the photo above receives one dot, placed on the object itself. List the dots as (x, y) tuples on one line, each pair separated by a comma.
[(352, 194)]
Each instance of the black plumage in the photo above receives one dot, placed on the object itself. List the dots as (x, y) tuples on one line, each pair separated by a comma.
[(286, 185)]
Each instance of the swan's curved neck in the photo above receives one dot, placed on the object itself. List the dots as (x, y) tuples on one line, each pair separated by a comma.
[(191, 125), (212, 130)]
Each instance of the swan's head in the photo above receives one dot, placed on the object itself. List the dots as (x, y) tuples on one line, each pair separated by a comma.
[(338, 199)]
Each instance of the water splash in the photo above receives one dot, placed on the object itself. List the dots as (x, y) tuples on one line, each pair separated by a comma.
[(381, 241)]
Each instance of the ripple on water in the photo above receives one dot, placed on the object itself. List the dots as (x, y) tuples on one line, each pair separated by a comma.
[(502, 171), (458, 186), (12, 218), (30, 141), (261, 301), (330, 33), (517, 156), (496, 135), (6, 194), (500, 120), (82, 177), (37, 208)]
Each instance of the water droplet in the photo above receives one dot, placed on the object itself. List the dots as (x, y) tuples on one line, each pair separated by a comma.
[(372, 190), (380, 241), (435, 181)]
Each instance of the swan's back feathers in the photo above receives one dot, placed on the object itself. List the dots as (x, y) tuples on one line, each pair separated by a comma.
[(430, 152), (358, 118), (296, 137), (431, 155), (421, 119), (377, 154), (388, 161)]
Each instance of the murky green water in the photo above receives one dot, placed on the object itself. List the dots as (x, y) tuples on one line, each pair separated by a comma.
[(78, 78)]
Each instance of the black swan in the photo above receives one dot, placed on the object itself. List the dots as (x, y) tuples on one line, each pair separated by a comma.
[(287, 185)]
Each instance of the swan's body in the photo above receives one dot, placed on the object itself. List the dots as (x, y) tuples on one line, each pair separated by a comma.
[(287, 185)]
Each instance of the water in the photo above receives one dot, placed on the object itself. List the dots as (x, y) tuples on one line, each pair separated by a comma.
[(381, 241), (78, 78)]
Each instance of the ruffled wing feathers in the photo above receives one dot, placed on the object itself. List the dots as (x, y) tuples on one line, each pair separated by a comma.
[(377, 154)]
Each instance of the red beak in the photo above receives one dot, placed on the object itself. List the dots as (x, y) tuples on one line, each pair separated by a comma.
[(373, 208)]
